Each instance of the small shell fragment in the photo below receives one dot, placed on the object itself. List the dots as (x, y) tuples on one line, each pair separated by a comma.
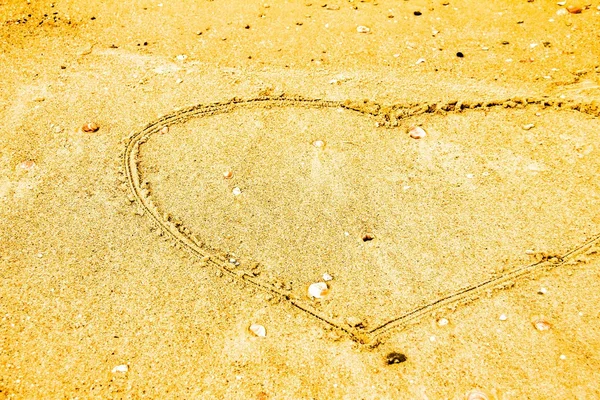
[(574, 9), (257, 330), (327, 277), (477, 394), (164, 130), (442, 322), (363, 29), (541, 324), (528, 126), (27, 165), (90, 127), (416, 132), (503, 317), (319, 143), (120, 368), (318, 290), (227, 174), (236, 191)]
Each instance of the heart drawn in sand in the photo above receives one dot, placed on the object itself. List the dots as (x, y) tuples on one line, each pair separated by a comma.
[(394, 227)]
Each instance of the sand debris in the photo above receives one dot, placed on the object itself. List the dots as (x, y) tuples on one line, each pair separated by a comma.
[(165, 129), (27, 165), (541, 324), (363, 29)]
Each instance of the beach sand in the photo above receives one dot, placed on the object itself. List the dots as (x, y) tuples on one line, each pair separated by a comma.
[(131, 267)]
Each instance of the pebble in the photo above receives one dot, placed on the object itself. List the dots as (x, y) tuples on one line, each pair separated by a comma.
[(120, 368), (318, 290), (164, 130), (503, 317), (181, 57), (542, 290), (395, 358), (416, 132), (563, 357), (460, 54), (442, 322), (528, 126), (354, 321), (363, 29), (319, 143), (236, 191), (227, 174), (258, 330), (90, 127), (327, 277), (574, 9)]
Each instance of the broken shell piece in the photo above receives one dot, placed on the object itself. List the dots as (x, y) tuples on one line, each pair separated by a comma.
[(27, 165), (227, 174), (327, 277), (164, 130), (363, 29), (257, 330), (319, 143), (528, 126), (318, 290), (236, 191), (574, 9), (416, 132), (541, 324), (120, 368), (503, 317), (477, 394), (90, 127), (442, 322)]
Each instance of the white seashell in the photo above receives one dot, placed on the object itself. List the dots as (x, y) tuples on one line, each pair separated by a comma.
[(442, 322), (318, 290), (503, 317), (164, 130), (120, 368), (420, 61), (236, 191), (319, 143), (327, 277), (416, 132), (258, 330), (528, 126), (363, 29)]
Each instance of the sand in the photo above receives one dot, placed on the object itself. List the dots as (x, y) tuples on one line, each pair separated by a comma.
[(128, 247)]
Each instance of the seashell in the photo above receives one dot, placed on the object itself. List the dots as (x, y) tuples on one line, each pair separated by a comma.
[(236, 191), (90, 127), (442, 322), (257, 330), (318, 290), (27, 165), (541, 324), (528, 126), (319, 143), (363, 29), (227, 174), (477, 394), (416, 132), (327, 277), (164, 130), (574, 9), (120, 368), (503, 317)]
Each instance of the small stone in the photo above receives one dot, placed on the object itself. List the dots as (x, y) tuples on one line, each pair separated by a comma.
[(236, 191), (39, 99), (562, 11), (442, 322), (542, 290), (563, 357), (503, 317), (318, 290), (120, 368), (528, 126), (574, 9), (395, 358), (164, 130), (417, 13), (327, 277), (232, 260), (363, 29), (179, 80), (90, 127), (257, 330), (227, 175), (319, 143), (561, 3), (416, 132), (368, 237), (460, 54)]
